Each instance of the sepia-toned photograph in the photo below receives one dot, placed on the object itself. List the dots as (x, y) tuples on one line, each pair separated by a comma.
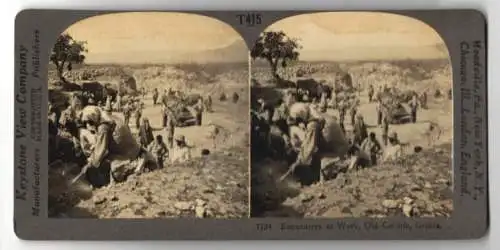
[(351, 116), (148, 118)]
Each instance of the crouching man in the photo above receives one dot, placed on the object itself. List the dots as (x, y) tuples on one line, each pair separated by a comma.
[(115, 153), (320, 143)]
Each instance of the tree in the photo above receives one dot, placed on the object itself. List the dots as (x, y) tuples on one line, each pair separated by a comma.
[(65, 52), (277, 49)]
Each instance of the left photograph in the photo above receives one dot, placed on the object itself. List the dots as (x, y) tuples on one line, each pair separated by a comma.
[(148, 118)]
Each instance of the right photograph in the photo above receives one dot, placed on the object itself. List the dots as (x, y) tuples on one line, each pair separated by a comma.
[(351, 116)]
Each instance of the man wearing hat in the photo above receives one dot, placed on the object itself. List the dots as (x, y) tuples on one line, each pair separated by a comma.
[(137, 114), (394, 150), (323, 102), (342, 111), (379, 107), (414, 104), (76, 102), (199, 108), (170, 126), (127, 112), (371, 92), (181, 151), (353, 110), (91, 101), (155, 96), (289, 98), (267, 109), (145, 133), (112, 146), (360, 130), (108, 110)]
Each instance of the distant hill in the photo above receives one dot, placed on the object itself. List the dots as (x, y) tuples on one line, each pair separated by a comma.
[(377, 53), (235, 52)]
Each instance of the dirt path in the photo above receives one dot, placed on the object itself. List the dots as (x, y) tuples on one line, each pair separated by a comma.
[(226, 114), (438, 111)]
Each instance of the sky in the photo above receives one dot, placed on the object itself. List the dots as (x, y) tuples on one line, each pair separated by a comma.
[(165, 37), (361, 35), (128, 37)]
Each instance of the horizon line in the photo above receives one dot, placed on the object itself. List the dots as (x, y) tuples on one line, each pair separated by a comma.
[(262, 62)]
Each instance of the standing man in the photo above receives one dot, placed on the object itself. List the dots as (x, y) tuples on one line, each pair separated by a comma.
[(353, 111), (333, 100), (138, 115), (423, 99), (170, 127), (208, 103), (414, 106), (323, 102), (119, 102), (76, 102), (236, 97), (199, 111), (371, 92), (342, 110), (360, 130), (385, 125), (155, 96), (145, 133), (267, 109), (163, 98), (127, 112), (372, 147), (380, 107), (289, 98), (107, 106)]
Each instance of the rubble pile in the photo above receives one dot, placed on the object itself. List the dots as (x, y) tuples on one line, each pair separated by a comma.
[(199, 190), (420, 185), (91, 73), (411, 75), (176, 77)]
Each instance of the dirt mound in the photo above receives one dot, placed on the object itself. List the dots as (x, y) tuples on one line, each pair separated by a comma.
[(117, 77), (416, 75), (166, 77), (205, 79), (418, 186), (214, 188), (91, 72)]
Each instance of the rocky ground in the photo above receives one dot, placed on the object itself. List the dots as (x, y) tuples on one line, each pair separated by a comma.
[(215, 187), (420, 185)]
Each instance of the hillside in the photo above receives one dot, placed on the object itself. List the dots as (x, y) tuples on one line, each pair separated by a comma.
[(235, 52)]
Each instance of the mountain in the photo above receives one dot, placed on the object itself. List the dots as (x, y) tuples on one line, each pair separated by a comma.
[(234, 52), (376, 53)]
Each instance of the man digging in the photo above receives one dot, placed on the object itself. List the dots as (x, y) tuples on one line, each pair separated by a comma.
[(116, 153)]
